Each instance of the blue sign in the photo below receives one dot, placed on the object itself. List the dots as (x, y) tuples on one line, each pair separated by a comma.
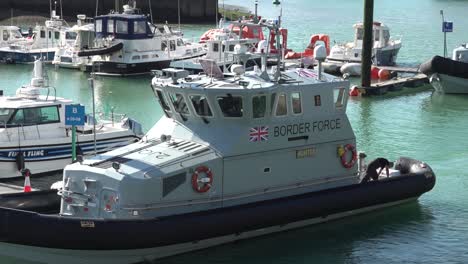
[(74, 115), (447, 26)]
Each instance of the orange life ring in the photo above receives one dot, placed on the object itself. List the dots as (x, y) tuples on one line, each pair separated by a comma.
[(204, 184), (349, 164)]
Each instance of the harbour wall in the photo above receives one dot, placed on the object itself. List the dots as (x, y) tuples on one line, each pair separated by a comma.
[(191, 11)]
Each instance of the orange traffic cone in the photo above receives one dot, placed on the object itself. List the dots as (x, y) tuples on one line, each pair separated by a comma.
[(27, 181)]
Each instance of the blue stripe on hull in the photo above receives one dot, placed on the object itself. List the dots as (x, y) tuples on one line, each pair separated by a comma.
[(42, 153)]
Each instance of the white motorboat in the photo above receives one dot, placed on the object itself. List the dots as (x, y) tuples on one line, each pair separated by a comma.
[(40, 45), (33, 134), (128, 44), (384, 49), (10, 35), (449, 75), (82, 36)]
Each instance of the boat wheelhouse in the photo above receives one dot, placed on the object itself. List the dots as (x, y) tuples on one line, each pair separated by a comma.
[(33, 134), (128, 44), (384, 49), (10, 35)]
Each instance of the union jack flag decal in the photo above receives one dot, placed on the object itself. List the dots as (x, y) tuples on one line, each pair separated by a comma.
[(258, 134), (304, 73)]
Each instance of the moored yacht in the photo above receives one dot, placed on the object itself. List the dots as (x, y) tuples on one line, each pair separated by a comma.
[(128, 44), (82, 37), (384, 49), (33, 134), (236, 155), (40, 45), (449, 75)]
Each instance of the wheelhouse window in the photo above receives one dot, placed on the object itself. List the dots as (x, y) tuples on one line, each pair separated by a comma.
[(173, 45), (215, 47), (231, 47), (35, 116), (70, 35), (5, 115), (272, 102), (201, 106), (281, 108), (6, 35), (121, 27), (163, 103), (50, 34), (339, 97), (259, 106), (110, 26), (376, 35), (318, 101), (56, 34), (42, 33), (139, 27), (296, 103), (179, 104), (180, 42), (231, 106), (359, 33), (163, 45), (99, 25)]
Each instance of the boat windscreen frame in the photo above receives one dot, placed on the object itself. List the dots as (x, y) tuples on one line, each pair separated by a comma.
[(103, 20)]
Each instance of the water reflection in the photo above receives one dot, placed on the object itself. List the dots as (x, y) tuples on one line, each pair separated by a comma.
[(349, 240)]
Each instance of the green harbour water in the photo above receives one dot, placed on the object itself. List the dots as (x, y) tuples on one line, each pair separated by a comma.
[(426, 126)]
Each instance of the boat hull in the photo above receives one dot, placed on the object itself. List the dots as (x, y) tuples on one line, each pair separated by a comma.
[(449, 84), (381, 57), (447, 75), (18, 56), (47, 158), (112, 68), (32, 236)]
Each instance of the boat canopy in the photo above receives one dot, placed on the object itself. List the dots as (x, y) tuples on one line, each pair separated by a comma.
[(123, 26)]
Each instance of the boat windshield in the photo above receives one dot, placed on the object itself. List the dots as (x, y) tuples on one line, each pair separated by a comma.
[(5, 115)]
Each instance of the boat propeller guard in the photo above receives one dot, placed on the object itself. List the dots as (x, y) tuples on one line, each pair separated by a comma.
[(348, 164), (202, 184)]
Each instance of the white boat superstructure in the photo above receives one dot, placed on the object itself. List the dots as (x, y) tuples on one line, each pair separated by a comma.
[(226, 48), (40, 45), (33, 134), (128, 44), (80, 36), (384, 49), (10, 35)]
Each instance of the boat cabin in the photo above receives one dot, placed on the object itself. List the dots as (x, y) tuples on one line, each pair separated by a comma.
[(123, 26), (24, 117), (380, 32), (9, 34)]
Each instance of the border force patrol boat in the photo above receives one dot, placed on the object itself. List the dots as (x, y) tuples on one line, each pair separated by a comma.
[(33, 134), (235, 156)]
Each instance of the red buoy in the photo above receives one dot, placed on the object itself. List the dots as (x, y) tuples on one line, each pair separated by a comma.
[(384, 74), (374, 72), (354, 91)]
